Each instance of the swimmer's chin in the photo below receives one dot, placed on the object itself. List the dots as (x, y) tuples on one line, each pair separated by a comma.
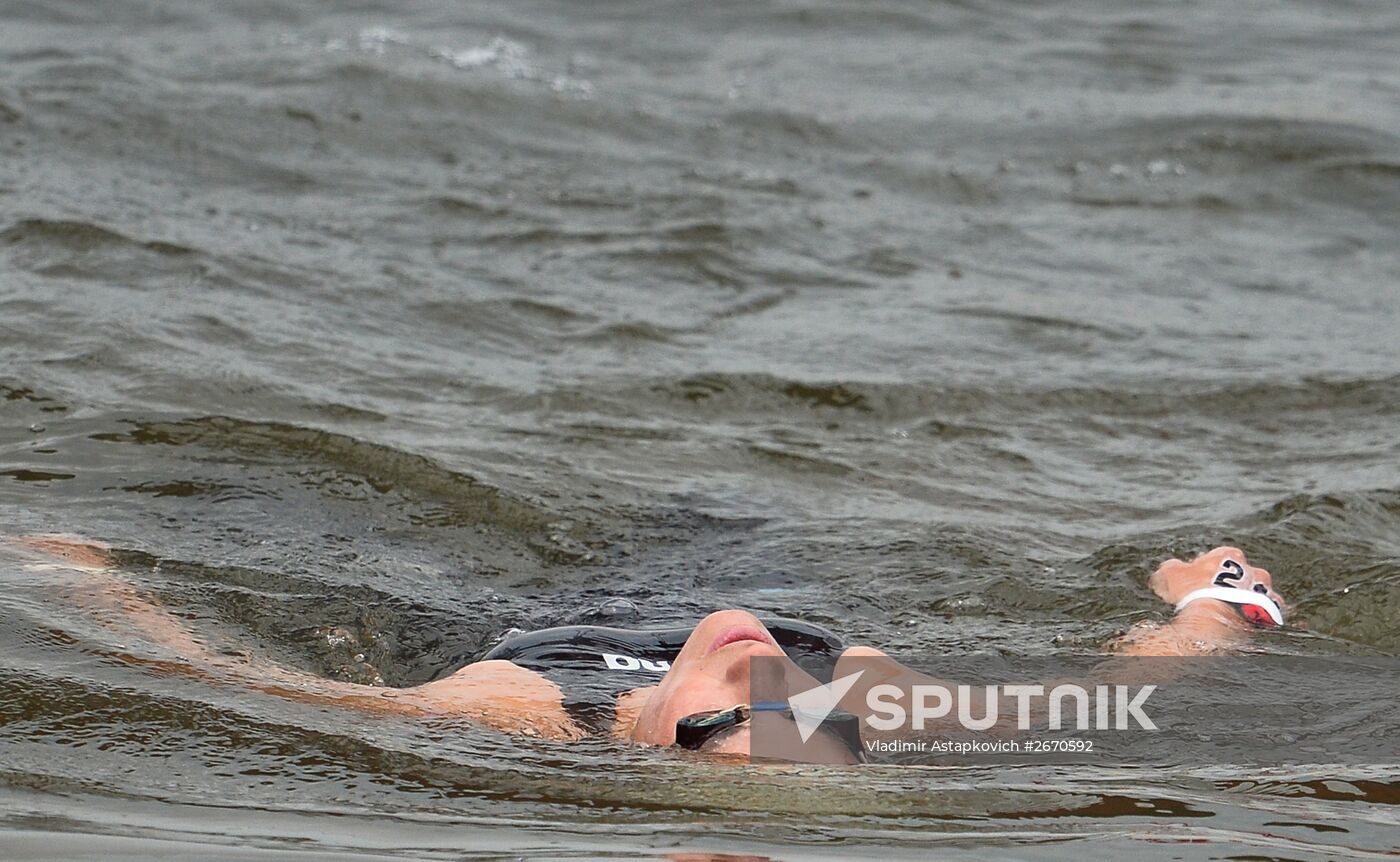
[(750, 648)]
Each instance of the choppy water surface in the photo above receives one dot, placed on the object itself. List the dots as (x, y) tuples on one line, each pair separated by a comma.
[(938, 323)]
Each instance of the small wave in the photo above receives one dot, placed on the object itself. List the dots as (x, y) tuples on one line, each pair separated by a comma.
[(453, 498), (799, 128), (79, 236), (19, 392), (506, 55), (26, 475), (629, 331), (1338, 561), (457, 206), (1192, 411), (799, 462), (1205, 202), (82, 250), (1045, 322), (513, 313), (1139, 67), (935, 182)]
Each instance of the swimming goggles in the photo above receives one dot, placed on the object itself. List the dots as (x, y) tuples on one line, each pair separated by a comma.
[(693, 731), (1252, 605)]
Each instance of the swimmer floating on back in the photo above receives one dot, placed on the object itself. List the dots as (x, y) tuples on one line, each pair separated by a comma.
[(662, 688)]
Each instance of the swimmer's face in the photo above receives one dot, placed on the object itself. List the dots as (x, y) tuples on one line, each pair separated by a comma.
[(1174, 579), (712, 673)]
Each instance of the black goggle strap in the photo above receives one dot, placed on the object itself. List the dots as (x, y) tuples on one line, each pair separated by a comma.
[(693, 731)]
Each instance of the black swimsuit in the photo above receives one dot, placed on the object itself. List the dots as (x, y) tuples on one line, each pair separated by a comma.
[(593, 665)]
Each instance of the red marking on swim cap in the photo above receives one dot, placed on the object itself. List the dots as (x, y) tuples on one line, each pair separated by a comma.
[(1258, 616)]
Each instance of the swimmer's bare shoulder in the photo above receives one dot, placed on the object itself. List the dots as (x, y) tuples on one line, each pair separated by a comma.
[(499, 694)]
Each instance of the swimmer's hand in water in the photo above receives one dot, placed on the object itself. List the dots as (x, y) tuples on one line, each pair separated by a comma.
[(114, 602), (495, 693), (80, 553)]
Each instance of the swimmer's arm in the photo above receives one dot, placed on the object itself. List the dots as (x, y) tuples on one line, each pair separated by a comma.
[(496, 693), (115, 603)]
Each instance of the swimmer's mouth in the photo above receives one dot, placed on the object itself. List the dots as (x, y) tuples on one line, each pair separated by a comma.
[(736, 634)]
